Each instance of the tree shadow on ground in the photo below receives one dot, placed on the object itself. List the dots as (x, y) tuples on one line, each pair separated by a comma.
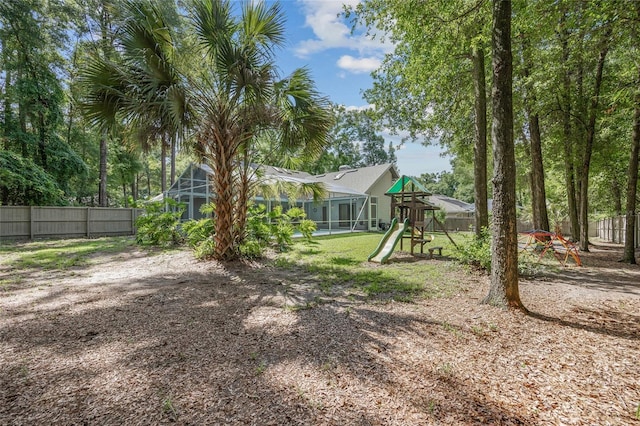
[(221, 347), (605, 322)]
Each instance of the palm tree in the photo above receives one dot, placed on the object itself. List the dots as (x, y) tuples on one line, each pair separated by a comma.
[(239, 97), (230, 103)]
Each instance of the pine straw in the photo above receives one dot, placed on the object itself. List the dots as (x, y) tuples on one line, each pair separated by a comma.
[(141, 339)]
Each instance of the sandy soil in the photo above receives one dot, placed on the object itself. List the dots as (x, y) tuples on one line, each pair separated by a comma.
[(139, 338)]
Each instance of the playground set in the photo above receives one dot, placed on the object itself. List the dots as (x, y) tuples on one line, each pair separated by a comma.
[(412, 225), (542, 242)]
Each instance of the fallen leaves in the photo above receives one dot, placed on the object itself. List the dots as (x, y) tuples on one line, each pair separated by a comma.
[(166, 339)]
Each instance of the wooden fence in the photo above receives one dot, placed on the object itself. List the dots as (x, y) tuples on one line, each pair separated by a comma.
[(468, 223), (65, 222), (612, 229)]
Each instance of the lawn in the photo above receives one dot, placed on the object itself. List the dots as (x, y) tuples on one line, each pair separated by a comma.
[(315, 335), (339, 263)]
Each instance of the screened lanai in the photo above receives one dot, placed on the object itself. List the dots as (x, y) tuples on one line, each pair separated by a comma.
[(342, 209)]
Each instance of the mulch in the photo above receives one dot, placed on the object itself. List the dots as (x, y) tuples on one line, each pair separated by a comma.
[(145, 339)]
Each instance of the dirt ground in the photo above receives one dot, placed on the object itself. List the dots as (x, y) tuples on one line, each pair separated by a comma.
[(139, 338)]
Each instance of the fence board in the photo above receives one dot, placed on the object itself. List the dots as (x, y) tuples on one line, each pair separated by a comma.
[(612, 229), (468, 224), (17, 222)]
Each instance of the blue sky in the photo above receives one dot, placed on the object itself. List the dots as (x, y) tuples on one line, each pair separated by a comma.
[(340, 63)]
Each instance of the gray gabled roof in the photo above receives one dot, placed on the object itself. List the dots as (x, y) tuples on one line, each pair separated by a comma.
[(267, 173), (451, 205), (360, 179)]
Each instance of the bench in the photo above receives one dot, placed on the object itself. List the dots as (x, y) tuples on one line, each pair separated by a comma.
[(432, 249)]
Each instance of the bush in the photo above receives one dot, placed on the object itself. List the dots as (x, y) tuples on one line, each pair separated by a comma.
[(196, 231), (157, 227), (199, 236), (257, 228), (477, 252), (251, 249), (307, 228), (204, 248)]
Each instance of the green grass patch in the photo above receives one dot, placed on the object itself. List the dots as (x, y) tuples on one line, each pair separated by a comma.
[(339, 262), (59, 254)]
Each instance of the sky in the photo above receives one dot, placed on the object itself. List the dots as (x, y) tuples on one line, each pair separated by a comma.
[(341, 63)]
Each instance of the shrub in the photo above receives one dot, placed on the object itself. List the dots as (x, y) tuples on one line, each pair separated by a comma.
[(251, 249), (158, 227), (306, 228), (477, 252), (204, 248), (196, 231), (257, 228)]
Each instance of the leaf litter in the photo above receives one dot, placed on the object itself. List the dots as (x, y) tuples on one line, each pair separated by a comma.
[(164, 339)]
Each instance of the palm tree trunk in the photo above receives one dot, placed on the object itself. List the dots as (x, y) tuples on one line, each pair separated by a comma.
[(223, 169)]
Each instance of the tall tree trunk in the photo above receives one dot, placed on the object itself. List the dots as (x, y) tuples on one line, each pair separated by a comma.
[(616, 192), (632, 186), (147, 173), (480, 142), (42, 140), (103, 200), (102, 186), (173, 161), (504, 255), (163, 165), (538, 194), (74, 65), (567, 134), (134, 187), (22, 121), (8, 119), (588, 149)]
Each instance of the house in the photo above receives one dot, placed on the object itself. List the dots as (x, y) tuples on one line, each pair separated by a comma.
[(452, 206), (355, 196)]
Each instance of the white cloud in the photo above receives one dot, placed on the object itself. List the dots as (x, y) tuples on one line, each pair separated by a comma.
[(332, 31), (358, 65), (359, 108)]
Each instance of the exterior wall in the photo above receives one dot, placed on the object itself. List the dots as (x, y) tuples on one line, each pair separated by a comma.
[(327, 213), (65, 222), (384, 201), (192, 189)]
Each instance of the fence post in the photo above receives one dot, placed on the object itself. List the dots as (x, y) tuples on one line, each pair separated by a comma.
[(133, 221), (88, 222), (31, 231)]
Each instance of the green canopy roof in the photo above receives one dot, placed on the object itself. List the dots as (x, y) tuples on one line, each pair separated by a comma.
[(407, 184)]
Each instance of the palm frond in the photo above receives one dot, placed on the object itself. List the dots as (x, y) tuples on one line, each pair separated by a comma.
[(263, 27), (213, 22), (305, 114)]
